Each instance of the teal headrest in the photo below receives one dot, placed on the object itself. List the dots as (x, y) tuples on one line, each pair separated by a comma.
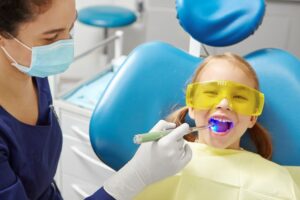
[(220, 22)]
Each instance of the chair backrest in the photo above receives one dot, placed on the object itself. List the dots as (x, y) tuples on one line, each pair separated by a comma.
[(279, 75), (143, 91), (153, 78)]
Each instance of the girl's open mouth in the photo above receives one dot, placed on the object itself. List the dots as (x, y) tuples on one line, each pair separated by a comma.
[(220, 126)]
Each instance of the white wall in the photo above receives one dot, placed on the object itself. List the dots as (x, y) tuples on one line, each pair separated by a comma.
[(280, 29)]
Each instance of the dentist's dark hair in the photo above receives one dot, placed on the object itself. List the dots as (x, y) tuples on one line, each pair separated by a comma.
[(258, 134), (15, 12)]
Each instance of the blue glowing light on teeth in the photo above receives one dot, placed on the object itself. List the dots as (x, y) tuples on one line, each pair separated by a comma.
[(219, 126)]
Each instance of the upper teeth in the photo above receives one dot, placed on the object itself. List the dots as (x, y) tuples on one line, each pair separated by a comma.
[(220, 119)]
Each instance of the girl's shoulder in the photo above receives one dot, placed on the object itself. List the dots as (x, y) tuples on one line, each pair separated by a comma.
[(248, 163), (244, 169)]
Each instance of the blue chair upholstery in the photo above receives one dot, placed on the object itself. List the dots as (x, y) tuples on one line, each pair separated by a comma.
[(221, 22), (144, 90), (153, 78), (106, 16), (279, 75)]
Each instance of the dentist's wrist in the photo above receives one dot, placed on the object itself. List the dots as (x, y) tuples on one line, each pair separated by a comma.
[(124, 184)]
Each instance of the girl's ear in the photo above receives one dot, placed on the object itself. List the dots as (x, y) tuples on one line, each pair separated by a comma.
[(252, 122), (191, 113)]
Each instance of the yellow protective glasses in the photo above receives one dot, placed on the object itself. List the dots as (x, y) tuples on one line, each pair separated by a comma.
[(242, 99)]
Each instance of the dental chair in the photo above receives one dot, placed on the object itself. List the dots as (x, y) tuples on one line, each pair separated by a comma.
[(153, 78)]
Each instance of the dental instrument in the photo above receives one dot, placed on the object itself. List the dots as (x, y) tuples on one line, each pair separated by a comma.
[(151, 136)]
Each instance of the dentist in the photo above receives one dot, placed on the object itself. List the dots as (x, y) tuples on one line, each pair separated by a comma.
[(35, 42)]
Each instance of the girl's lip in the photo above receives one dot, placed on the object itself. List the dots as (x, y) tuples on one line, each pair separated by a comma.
[(220, 116), (219, 133)]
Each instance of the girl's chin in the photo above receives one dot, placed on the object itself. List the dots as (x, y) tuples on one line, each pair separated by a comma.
[(218, 140)]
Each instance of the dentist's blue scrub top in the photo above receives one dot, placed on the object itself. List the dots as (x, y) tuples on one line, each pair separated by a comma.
[(29, 154)]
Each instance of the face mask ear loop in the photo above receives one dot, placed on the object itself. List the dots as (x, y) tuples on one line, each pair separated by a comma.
[(14, 63), (21, 43), (10, 57)]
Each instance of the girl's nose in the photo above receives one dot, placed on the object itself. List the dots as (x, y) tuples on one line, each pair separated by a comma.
[(224, 104)]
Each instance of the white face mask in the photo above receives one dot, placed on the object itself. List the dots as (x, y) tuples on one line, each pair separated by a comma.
[(46, 60)]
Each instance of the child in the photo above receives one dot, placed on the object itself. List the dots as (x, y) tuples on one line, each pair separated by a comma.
[(224, 94)]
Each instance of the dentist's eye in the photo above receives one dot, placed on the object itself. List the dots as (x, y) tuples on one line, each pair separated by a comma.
[(52, 38)]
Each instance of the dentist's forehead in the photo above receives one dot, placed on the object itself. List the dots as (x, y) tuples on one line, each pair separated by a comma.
[(55, 17)]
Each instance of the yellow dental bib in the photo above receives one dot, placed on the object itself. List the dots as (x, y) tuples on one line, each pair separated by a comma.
[(222, 174)]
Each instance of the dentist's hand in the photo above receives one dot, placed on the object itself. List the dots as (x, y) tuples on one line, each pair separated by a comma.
[(152, 162)]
